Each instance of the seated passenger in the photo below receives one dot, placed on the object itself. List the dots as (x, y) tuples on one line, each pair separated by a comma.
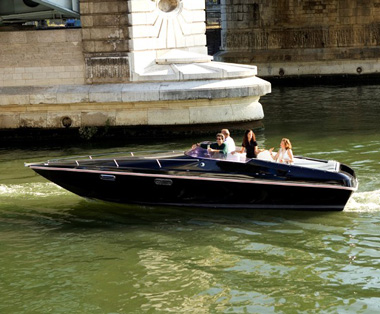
[(228, 140), (285, 153), (249, 145), (218, 147)]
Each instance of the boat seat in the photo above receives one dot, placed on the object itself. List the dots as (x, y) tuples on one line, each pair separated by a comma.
[(330, 165)]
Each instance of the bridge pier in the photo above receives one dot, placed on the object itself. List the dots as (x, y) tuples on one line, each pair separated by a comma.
[(133, 63), (302, 38)]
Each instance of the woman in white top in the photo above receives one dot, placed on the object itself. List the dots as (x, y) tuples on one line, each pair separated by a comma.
[(285, 153)]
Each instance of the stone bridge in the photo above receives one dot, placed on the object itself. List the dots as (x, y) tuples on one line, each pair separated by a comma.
[(77, 77), (133, 63)]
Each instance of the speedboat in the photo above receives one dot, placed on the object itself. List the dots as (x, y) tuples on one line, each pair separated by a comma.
[(196, 178)]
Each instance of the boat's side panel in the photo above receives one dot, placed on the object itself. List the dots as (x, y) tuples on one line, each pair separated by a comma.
[(195, 191)]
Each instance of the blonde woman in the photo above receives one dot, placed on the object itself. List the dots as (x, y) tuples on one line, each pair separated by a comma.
[(285, 153)]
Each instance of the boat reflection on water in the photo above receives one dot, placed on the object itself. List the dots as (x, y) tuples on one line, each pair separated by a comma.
[(197, 179)]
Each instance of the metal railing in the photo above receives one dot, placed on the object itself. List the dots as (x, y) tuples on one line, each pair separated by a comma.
[(92, 159)]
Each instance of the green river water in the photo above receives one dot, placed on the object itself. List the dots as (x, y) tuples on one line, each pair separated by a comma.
[(60, 253)]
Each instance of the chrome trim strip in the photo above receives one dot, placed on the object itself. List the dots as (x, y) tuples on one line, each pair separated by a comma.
[(107, 177)]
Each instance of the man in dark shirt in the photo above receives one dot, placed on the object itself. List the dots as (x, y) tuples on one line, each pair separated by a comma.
[(218, 147)]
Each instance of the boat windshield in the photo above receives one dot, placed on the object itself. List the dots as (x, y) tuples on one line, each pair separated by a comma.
[(199, 152)]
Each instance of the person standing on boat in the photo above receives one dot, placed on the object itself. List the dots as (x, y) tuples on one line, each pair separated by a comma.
[(285, 153), (249, 145), (218, 147), (231, 147)]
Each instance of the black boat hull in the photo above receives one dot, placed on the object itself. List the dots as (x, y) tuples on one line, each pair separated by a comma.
[(197, 191)]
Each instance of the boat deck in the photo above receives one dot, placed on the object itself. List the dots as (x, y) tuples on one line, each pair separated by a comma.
[(325, 165)]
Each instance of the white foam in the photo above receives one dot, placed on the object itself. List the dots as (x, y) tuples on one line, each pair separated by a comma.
[(364, 202), (37, 189)]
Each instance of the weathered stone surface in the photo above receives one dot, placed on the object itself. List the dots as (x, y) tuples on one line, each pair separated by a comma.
[(9, 120), (168, 116), (107, 69), (44, 95), (266, 33), (132, 117), (55, 119), (137, 92), (105, 41), (98, 118), (72, 94), (140, 92), (207, 113), (247, 109), (105, 93), (179, 65), (14, 99), (135, 104), (33, 120), (49, 57)]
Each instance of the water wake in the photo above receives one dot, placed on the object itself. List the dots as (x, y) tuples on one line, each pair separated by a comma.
[(35, 190), (364, 202), (359, 202)]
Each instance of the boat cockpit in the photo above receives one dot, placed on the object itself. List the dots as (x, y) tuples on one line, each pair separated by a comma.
[(326, 165)]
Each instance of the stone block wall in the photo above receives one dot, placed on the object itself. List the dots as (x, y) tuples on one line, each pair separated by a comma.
[(257, 31), (44, 57), (105, 40), (117, 38)]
